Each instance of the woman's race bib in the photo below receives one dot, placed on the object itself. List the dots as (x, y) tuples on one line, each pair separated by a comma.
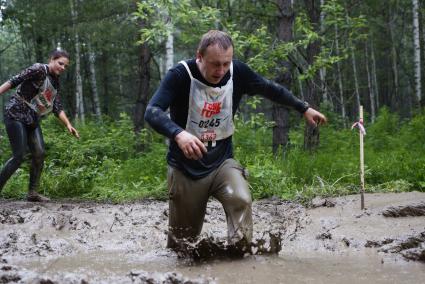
[(42, 103)]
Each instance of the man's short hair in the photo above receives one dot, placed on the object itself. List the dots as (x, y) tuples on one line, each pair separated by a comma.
[(214, 37)]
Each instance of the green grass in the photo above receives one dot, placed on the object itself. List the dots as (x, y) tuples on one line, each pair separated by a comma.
[(104, 164)]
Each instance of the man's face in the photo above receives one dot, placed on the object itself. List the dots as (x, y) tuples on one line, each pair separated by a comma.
[(215, 63)]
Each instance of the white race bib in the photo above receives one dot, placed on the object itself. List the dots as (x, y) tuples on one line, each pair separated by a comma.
[(210, 109), (42, 103)]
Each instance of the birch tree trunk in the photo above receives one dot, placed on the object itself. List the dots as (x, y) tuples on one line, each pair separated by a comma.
[(356, 80), (369, 84), (353, 61), (169, 49), (79, 102), (93, 82), (339, 79), (286, 18), (417, 51), (322, 70), (374, 75), (393, 59)]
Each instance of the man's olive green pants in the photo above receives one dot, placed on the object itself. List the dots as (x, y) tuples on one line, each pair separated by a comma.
[(188, 201)]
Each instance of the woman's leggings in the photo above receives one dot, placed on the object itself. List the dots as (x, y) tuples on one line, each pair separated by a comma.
[(23, 137)]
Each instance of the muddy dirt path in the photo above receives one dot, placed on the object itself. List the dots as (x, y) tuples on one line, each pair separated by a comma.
[(332, 242)]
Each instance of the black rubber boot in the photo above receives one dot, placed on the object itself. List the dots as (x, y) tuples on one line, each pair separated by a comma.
[(33, 196)]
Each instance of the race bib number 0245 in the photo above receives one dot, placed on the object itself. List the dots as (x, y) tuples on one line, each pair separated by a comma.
[(210, 123)]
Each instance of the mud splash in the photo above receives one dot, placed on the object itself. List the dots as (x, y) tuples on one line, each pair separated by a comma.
[(103, 243), (208, 248)]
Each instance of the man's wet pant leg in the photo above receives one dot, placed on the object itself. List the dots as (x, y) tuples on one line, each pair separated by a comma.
[(231, 189), (187, 204), (188, 201)]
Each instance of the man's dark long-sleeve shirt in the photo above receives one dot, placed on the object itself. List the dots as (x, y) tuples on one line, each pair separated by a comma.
[(174, 92)]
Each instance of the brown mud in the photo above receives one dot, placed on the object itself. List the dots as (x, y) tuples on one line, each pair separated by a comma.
[(332, 241)]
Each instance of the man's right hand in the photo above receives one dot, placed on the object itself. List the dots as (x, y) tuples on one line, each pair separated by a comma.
[(191, 146)]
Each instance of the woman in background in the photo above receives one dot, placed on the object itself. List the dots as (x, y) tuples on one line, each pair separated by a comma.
[(36, 96)]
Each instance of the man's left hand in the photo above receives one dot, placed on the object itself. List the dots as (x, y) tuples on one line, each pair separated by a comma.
[(314, 118)]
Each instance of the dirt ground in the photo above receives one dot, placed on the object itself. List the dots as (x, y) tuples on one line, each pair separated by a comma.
[(332, 241)]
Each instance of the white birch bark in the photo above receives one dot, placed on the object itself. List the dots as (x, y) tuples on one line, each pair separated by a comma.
[(393, 55), (339, 76), (79, 102), (353, 61), (356, 81), (93, 82), (417, 50), (369, 84), (374, 75), (322, 71), (169, 48)]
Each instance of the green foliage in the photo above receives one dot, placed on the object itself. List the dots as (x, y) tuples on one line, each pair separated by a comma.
[(400, 143), (336, 17), (104, 165), (258, 45), (394, 160), (140, 177), (166, 16)]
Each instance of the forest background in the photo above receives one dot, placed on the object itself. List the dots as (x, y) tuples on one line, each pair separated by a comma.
[(335, 54)]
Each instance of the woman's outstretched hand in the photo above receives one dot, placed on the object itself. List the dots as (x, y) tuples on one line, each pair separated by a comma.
[(73, 131)]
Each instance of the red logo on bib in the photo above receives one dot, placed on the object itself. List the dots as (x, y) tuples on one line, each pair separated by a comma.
[(48, 95), (211, 109)]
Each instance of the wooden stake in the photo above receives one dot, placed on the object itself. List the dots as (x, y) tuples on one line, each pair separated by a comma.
[(361, 161)]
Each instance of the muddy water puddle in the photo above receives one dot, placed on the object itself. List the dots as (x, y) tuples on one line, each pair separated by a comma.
[(364, 267), (335, 242)]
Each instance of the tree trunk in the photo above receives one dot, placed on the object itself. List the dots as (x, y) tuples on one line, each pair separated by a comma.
[(79, 102), (93, 82), (311, 133), (417, 48), (120, 84), (393, 60), (322, 70), (374, 75), (369, 85), (143, 93), (142, 97), (353, 61), (300, 85), (169, 49), (339, 79), (105, 78), (39, 56), (281, 114)]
